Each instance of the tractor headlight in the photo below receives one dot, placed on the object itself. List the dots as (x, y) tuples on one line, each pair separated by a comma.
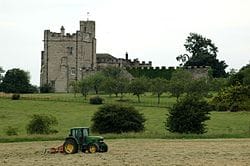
[(100, 140)]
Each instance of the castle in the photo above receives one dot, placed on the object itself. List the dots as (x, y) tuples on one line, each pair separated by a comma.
[(69, 57)]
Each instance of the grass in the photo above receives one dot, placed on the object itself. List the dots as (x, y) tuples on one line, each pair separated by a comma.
[(73, 112)]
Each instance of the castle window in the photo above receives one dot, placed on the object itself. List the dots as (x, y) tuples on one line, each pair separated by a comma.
[(70, 50), (73, 71), (85, 29)]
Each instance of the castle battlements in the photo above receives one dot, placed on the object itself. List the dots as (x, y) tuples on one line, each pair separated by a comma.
[(169, 68), (48, 35), (86, 33)]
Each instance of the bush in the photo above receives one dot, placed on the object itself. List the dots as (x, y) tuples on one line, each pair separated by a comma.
[(188, 116), (41, 124), (15, 97), (11, 131), (234, 98), (117, 119), (96, 100), (47, 88)]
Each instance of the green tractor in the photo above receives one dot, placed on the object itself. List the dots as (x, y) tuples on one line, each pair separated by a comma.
[(79, 139)]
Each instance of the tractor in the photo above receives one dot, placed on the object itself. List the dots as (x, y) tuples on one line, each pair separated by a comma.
[(79, 139)]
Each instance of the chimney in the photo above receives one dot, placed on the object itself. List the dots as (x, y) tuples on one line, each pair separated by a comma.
[(62, 31), (126, 56)]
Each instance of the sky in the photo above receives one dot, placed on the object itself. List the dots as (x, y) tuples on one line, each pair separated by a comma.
[(150, 30)]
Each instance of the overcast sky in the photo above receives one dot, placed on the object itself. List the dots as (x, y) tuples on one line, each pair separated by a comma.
[(151, 30)]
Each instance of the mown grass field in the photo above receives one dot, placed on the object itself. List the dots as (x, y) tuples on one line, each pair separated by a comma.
[(73, 111), (134, 152)]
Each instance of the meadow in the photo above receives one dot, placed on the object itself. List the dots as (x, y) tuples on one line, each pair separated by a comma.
[(73, 111)]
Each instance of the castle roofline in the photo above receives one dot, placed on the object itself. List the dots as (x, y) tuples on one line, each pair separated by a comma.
[(105, 55)]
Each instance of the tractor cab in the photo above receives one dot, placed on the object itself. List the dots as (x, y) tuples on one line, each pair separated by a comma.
[(79, 133), (79, 139)]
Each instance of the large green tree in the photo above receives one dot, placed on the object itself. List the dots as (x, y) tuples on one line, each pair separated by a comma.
[(202, 53), (16, 81)]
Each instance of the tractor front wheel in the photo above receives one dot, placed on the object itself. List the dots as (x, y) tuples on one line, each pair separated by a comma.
[(92, 148), (70, 146)]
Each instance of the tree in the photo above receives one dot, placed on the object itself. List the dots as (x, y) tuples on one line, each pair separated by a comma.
[(203, 53), (16, 81), (107, 86), (116, 86), (116, 81), (75, 87), (183, 58), (188, 115), (216, 84), (199, 87), (178, 82), (96, 81), (117, 119), (1, 71), (233, 98), (138, 86), (158, 87), (241, 77), (121, 85), (85, 87)]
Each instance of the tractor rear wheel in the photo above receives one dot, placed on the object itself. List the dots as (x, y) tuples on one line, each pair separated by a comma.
[(70, 146), (92, 148)]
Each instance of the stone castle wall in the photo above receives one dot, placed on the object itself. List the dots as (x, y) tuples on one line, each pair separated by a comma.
[(66, 57)]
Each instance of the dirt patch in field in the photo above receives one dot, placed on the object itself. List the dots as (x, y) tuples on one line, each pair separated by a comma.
[(134, 152)]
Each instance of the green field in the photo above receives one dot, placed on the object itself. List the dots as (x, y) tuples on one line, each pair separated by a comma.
[(72, 112)]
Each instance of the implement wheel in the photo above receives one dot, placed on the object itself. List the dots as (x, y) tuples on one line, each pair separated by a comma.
[(92, 148), (70, 146)]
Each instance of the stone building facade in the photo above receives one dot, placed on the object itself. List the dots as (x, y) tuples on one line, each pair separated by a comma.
[(198, 71), (67, 56)]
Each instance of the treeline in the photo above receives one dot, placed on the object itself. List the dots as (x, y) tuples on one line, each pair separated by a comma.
[(229, 94)]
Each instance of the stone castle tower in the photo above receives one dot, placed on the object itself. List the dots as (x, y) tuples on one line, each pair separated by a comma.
[(66, 57)]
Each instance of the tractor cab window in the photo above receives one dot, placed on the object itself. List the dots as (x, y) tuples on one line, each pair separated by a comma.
[(85, 132), (78, 133), (73, 133)]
